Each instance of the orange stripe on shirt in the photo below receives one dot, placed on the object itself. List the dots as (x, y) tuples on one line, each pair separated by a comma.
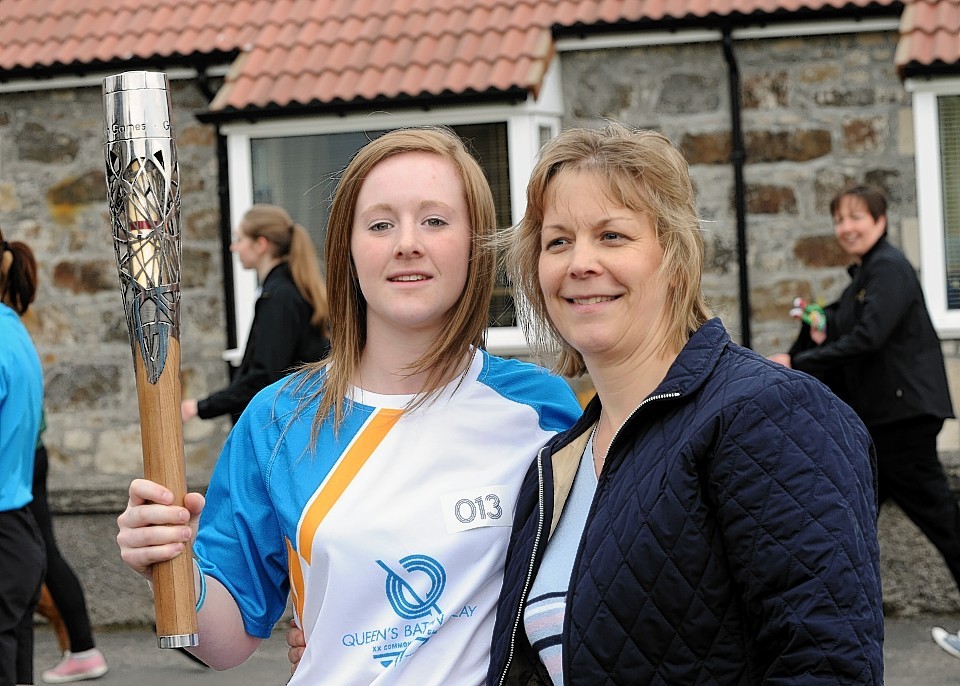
[(345, 471), (295, 570)]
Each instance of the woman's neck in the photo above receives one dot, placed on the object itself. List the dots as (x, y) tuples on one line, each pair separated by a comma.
[(623, 386), (265, 267), (386, 364)]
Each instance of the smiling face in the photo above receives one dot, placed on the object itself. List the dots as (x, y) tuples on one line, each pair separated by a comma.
[(855, 228), (599, 271), (410, 243)]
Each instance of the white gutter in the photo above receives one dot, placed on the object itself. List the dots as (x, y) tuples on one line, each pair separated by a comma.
[(937, 86), (96, 79), (655, 38)]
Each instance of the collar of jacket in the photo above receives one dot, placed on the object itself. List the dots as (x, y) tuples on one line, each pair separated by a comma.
[(278, 272), (686, 374), (857, 266)]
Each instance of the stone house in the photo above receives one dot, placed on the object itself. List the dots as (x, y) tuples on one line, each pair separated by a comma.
[(776, 105)]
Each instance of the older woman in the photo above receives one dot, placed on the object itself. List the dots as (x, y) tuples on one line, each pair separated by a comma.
[(712, 516)]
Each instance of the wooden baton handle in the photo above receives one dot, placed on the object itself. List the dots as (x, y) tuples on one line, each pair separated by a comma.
[(161, 434)]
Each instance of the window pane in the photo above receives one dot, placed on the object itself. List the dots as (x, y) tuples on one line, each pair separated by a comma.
[(300, 173), (949, 115), (488, 143)]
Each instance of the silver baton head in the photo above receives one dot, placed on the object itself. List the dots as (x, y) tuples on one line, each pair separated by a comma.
[(143, 192)]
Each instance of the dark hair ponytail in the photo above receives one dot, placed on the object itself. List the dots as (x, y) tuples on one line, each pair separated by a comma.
[(18, 275)]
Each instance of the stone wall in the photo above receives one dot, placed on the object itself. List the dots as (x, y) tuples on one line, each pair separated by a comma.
[(53, 197), (817, 113)]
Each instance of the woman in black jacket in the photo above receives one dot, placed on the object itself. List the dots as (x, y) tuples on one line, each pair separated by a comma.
[(290, 321), (882, 356)]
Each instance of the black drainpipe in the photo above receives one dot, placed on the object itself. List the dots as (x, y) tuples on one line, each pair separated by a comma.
[(226, 237), (226, 224), (738, 156)]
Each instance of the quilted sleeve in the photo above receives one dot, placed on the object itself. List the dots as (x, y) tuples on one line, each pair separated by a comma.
[(793, 477)]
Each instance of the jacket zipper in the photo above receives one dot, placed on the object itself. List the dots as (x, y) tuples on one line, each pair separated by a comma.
[(603, 464), (539, 534), (529, 579), (650, 399)]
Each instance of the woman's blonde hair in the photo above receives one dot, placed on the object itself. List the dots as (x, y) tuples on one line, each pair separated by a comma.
[(465, 324), (642, 171), (291, 243)]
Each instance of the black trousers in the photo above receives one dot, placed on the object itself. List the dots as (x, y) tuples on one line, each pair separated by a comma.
[(22, 563), (64, 586), (910, 474)]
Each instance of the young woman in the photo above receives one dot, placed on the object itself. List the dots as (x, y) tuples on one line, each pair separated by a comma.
[(22, 555), (289, 324), (711, 518), (379, 487)]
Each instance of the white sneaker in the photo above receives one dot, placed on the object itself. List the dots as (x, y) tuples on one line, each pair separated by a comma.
[(950, 642)]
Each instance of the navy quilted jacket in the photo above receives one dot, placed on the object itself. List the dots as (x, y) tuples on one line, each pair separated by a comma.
[(732, 538)]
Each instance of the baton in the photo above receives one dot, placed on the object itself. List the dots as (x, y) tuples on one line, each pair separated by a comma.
[(143, 192)]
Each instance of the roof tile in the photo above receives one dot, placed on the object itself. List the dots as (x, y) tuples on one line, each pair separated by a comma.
[(304, 88), (929, 34), (332, 51)]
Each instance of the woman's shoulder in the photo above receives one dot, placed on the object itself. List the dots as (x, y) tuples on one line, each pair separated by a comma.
[(886, 257), (507, 371), (533, 385), (280, 284), (753, 412), (289, 394), (746, 375)]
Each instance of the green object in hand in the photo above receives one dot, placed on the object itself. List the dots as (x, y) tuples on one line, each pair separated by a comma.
[(809, 313)]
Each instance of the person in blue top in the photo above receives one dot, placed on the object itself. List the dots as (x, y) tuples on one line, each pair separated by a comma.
[(66, 605), (22, 554), (376, 489)]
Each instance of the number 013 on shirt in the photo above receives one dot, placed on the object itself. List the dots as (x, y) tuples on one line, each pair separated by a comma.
[(478, 507)]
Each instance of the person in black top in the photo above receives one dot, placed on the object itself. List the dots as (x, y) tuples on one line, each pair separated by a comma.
[(881, 354), (290, 320)]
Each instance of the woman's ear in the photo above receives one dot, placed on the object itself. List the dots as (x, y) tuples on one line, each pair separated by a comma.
[(262, 243)]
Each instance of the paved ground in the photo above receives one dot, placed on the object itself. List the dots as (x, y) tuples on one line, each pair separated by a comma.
[(912, 659), (135, 660)]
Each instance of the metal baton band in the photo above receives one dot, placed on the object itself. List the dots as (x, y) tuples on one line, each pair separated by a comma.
[(143, 191)]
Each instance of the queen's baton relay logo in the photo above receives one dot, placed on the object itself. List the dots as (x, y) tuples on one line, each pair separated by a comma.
[(413, 587), (406, 601), (413, 594)]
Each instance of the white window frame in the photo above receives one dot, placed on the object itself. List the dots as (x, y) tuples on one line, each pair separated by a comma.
[(926, 132), (524, 124)]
